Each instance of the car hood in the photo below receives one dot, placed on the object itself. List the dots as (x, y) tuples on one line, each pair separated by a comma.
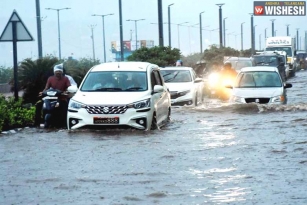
[(113, 98), (179, 86), (257, 92)]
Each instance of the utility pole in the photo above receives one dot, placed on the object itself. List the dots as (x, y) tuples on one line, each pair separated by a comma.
[(169, 26), (242, 36), (288, 29), (272, 27), (93, 43), (252, 34), (224, 31), (220, 22), (160, 21), (201, 32), (121, 31), (39, 30)]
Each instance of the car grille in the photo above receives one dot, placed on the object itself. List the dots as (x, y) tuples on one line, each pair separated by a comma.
[(257, 100), (174, 95), (106, 109)]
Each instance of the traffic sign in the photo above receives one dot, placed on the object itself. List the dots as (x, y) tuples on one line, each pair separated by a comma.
[(22, 33)]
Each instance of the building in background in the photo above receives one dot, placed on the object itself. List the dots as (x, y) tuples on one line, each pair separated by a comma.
[(129, 47)]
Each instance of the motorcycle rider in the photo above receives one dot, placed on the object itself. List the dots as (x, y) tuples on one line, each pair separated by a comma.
[(60, 82), (227, 73)]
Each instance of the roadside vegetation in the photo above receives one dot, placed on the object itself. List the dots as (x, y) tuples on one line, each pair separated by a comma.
[(33, 75)]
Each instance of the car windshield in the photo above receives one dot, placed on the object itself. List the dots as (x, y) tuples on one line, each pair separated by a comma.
[(287, 49), (258, 79), (266, 60), (176, 76), (115, 81)]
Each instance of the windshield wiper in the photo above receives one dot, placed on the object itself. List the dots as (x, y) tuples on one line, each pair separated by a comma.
[(167, 74), (108, 89), (134, 88), (168, 80)]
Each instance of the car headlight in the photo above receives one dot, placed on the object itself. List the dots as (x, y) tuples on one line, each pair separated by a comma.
[(183, 93), (75, 105), (306, 58), (279, 98), (237, 99), (140, 104)]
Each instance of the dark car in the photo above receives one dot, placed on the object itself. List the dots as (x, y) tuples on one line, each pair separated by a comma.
[(240, 62), (274, 60)]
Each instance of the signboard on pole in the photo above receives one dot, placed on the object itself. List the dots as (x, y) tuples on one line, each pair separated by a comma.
[(14, 31)]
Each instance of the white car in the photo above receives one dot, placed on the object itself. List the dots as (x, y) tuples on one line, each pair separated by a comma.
[(261, 84), (184, 86), (120, 93)]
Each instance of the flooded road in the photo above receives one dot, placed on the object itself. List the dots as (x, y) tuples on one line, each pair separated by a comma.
[(212, 154)]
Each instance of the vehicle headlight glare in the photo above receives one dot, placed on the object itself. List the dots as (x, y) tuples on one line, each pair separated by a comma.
[(213, 79), (75, 105)]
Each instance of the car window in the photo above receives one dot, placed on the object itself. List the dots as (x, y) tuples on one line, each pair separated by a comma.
[(157, 77), (115, 81), (258, 79), (176, 76), (263, 60)]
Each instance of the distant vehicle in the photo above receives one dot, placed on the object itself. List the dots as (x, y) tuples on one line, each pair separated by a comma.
[(259, 84), (184, 85), (287, 44), (271, 58), (301, 59), (240, 62), (120, 93)]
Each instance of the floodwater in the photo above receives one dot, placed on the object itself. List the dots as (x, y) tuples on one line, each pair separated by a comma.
[(212, 154)]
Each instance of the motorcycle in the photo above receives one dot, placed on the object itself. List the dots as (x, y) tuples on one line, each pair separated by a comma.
[(216, 83), (52, 107)]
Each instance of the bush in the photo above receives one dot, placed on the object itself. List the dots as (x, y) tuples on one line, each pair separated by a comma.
[(14, 114)]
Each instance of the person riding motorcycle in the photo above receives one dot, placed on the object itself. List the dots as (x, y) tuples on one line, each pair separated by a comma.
[(60, 82), (226, 77)]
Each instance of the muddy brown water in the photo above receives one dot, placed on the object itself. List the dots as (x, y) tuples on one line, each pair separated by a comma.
[(212, 154)]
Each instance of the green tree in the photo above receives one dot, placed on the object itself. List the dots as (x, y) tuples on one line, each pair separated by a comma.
[(191, 59), (78, 68), (33, 76), (215, 55), (6, 74), (159, 55)]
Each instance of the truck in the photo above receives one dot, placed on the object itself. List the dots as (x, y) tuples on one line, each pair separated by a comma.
[(287, 44)]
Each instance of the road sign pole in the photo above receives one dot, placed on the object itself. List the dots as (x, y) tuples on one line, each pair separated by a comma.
[(14, 27)]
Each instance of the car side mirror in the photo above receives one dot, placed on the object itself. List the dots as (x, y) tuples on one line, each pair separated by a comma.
[(158, 89), (198, 80), (288, 85), (72, 89)]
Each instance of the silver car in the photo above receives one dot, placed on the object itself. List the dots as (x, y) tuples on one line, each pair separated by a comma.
[(261, 85)]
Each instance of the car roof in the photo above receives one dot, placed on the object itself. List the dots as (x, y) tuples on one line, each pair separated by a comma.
[(238, 59), (176, 68), (123, 66), (259, 68)]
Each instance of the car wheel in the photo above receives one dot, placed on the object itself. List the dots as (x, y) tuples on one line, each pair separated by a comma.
[(154, 124)]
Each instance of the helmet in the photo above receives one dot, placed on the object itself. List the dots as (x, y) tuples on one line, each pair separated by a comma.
[(179, 63)]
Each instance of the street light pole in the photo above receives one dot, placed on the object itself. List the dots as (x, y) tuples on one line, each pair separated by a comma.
[(254, 42), (272, 27), (121, 31), (252, 34), (93, 43), (288, 29), (169, 25), (103, 33), (242, 36), (297, 39), (39, 30), (59, 33), (160, 22), (221, 26), (201, 32), (179, 34), (136, 31), (275, 32), (224, 27)]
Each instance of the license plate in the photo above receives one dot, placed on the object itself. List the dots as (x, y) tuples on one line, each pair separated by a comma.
[(106, 120)]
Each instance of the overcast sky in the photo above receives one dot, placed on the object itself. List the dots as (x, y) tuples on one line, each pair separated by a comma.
[(76, 32)]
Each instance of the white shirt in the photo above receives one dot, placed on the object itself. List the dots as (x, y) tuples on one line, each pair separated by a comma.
[(71, 80)]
